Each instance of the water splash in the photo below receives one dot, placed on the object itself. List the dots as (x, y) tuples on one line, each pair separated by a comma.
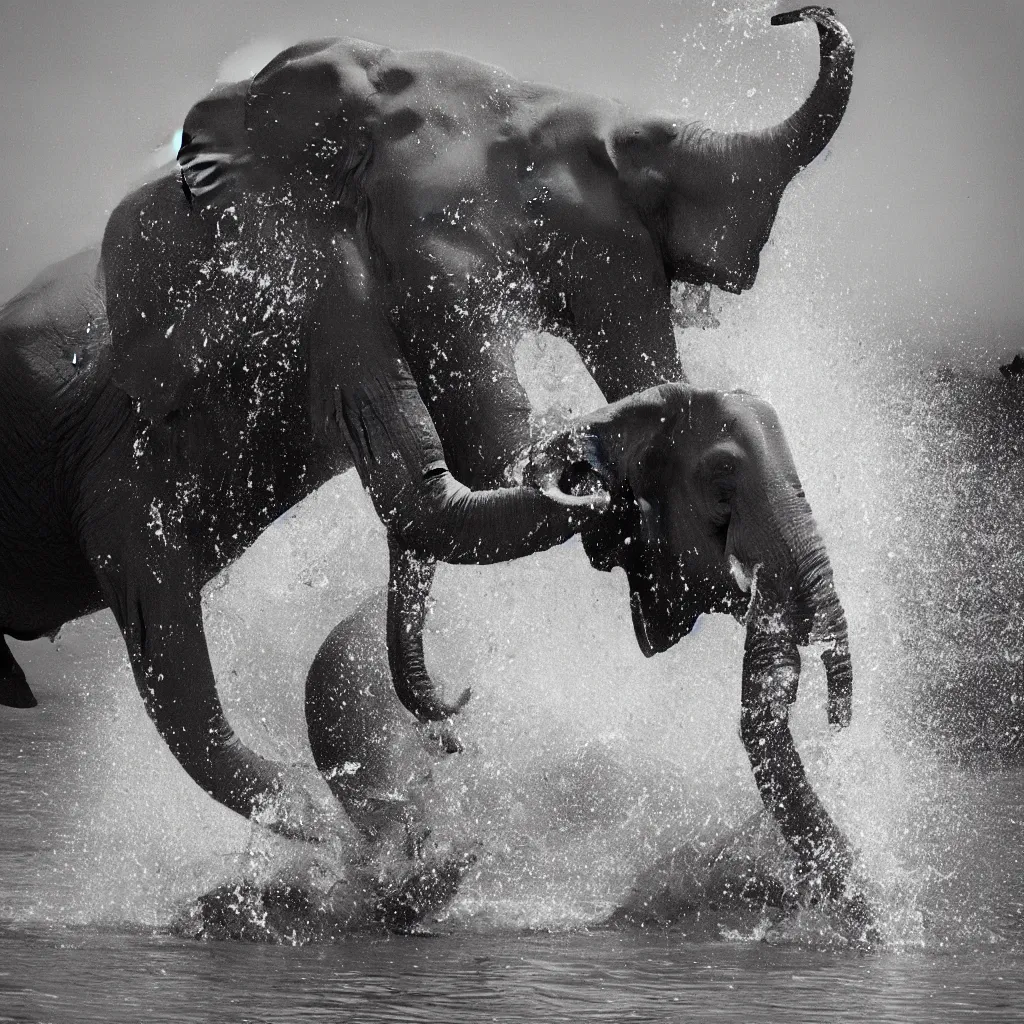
[(588, 767)]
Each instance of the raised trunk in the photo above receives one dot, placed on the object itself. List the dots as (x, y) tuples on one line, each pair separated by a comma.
[(790, 146), (806, 132)]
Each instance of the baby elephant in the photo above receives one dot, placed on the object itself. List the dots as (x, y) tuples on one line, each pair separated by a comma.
[(706, 514)]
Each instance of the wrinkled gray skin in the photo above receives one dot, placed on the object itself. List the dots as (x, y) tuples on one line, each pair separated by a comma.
[(106, 506), (356, 240), (490, 203), (708, 515)]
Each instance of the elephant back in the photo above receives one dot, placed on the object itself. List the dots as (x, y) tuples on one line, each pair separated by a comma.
[(58, 322)]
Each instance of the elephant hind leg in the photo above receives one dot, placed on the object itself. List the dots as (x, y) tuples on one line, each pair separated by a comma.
[(362, 739), (14, 688)]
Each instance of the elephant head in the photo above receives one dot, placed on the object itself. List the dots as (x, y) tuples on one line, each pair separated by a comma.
[(708, 514), (710, 198), (461, 175)]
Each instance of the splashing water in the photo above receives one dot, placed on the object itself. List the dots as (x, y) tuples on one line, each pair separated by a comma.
[(596, 786)]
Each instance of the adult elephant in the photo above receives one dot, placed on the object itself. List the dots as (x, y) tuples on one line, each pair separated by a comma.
[(708, 515), (354, 223), (483, 204)]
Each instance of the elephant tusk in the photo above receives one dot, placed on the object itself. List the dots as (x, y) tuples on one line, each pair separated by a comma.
[(739, 574), (748, 615)]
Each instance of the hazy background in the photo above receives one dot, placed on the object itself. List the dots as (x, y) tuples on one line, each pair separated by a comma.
[(915, 210)]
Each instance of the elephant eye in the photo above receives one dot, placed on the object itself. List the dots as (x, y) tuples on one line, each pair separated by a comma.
[(723, 488), (722, 466), (720, 488)]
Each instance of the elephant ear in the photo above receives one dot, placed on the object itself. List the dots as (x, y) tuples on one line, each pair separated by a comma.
[(166, 319), (298, 125), (158, 302), (215, 156)]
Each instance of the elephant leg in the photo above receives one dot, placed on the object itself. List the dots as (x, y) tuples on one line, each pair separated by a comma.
[(623, 333), (356, 729), (367, 754), (155, 597), (484, 425), (14, 688)]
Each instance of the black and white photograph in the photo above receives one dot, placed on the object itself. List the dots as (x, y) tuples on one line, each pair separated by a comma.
[(511, 511)]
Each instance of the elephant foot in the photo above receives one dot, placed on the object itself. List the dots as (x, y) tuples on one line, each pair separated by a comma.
[(403, 902), (245, 911), (841, 899), (14, 688), (858, 920)]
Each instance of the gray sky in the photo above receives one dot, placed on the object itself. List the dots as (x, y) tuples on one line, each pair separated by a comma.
[(917, 205)]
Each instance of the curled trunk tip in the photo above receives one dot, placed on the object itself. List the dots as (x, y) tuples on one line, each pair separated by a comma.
[(804, 134)]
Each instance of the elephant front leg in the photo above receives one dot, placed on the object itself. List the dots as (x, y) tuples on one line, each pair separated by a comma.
[(14, 688), (622, 330), (482, 419), (155, 597)]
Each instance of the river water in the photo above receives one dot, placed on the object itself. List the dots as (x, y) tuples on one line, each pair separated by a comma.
[(594, 783)]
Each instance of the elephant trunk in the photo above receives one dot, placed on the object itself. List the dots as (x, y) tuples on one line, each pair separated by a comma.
[(408, 590), (771, 670), (804, 134), (784, 149), (818, 609)]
